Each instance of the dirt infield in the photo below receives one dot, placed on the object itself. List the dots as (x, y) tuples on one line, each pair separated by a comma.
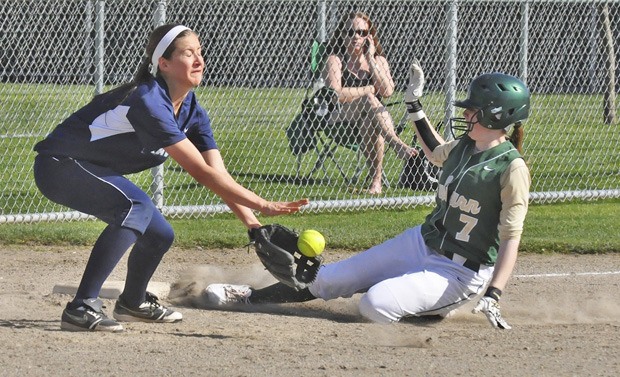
[(565, 312)]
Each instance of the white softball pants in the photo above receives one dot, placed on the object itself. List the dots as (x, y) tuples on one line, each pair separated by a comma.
[(401, 277)]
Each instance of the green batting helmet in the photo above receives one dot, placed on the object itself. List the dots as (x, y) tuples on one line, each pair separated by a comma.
[(501, 99)]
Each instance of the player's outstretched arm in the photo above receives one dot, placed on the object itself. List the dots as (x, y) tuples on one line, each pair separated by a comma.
[(489, 303), (214, 176)]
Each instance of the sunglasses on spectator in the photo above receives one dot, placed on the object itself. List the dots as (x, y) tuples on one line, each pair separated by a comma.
[(361, 33)]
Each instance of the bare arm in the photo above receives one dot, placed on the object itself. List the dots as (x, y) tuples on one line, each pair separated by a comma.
[(246, 215), (381, 76), (379, 70), (333, 79), (223, 185), (515, 192), (488, 304), (506, 260)]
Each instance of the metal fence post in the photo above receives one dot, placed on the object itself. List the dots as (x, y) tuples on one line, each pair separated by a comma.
[(524, 39), (593, 50), (99, 45), (157, 173), (320, 25), (88, 35), (451, 58), (159, 17)]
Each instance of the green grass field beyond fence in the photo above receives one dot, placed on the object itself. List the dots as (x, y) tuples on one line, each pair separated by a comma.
[(578, 227), (566, 144)]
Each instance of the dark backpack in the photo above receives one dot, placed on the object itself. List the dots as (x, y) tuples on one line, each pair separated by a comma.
[(419, 174), (315, 111)]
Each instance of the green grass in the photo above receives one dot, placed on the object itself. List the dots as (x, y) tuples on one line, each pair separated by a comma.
[(566, 147), (576, 227)]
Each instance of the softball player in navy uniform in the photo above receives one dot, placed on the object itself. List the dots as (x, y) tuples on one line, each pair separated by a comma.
[(466, 246), (134, 127)]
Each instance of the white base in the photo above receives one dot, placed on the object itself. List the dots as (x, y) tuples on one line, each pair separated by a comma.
[(113, 289)]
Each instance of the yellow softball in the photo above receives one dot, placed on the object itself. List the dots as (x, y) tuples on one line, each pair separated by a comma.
[(311, 243)]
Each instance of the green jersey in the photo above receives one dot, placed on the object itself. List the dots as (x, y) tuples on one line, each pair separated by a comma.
[(465, 220)]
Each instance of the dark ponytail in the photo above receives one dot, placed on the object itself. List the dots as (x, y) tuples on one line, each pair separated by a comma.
[(516, 137)]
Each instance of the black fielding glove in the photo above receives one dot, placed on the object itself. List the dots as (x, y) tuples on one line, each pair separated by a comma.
[(276, 247)]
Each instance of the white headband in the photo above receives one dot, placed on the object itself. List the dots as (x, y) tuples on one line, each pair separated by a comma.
[(163, 45)]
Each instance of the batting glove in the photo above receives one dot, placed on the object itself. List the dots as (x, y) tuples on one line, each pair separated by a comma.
[(415, 88), (489, 305)]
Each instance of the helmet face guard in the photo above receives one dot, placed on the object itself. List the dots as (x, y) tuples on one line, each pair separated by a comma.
[(460, 127), (500, 100)]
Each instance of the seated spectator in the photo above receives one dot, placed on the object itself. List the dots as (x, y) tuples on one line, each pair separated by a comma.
[(356, 68)]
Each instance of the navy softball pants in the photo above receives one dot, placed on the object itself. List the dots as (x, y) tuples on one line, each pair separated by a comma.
[(131, 216)]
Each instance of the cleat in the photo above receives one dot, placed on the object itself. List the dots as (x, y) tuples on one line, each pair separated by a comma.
[(149, 311), (227, 294), (88, 317)]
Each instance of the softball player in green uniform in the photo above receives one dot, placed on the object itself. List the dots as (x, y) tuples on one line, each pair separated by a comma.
[(466, 246)]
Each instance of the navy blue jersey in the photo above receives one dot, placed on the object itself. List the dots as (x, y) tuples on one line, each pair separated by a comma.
[(128, 134)]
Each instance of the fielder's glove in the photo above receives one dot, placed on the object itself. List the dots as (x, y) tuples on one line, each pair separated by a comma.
[(276, 247), (489, 305), (415, 88)]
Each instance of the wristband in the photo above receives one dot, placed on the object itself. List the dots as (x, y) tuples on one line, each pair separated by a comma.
[(414, 107), (494, 293), (252, 234), (417, 115)]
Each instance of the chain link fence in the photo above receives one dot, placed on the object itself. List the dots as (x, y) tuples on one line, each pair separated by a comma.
[(56, 54)]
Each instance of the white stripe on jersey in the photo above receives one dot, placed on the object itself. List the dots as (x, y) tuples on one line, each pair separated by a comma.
[(111, 123)]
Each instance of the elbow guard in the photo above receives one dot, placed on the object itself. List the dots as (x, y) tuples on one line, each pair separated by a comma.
[(425, 132)]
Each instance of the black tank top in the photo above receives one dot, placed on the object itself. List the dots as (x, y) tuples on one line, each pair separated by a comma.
[(349, 80)]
